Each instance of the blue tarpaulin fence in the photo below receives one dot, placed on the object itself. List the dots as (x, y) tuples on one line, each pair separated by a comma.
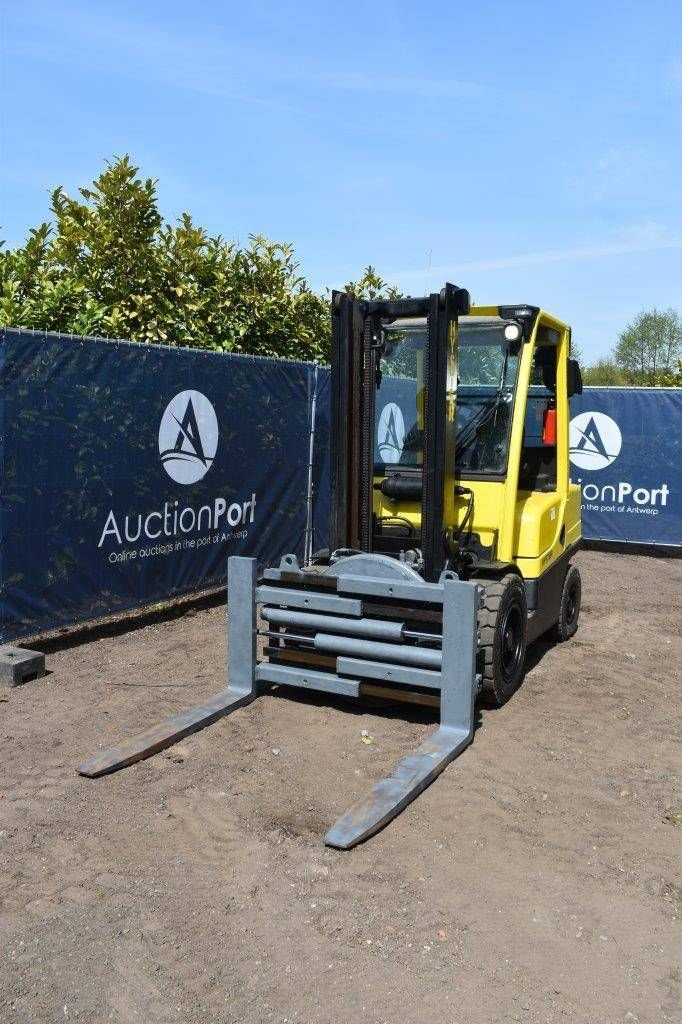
[(626, 453), (130, 472)]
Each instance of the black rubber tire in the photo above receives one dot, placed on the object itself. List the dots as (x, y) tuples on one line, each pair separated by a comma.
[(569, 608), (503, 627)]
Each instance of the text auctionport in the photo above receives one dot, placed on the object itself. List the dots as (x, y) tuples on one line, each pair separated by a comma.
[(173, 521)]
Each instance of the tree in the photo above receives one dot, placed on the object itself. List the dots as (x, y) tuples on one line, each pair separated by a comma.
[(109, 265), (648, 353), (604, 373), (649, 350)]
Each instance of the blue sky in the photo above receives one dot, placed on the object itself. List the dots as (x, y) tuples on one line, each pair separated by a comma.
[(529, 151)]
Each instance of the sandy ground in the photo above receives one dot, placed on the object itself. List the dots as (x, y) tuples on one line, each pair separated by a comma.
[(537, 880)]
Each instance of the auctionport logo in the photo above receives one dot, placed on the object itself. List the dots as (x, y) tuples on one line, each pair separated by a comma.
[(595, 440), (188, 437), (391, 433)]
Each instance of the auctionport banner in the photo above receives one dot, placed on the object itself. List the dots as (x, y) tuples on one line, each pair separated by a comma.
[(130, 472), (626, 454)]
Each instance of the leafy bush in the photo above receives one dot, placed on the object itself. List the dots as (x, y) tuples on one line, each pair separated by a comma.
[(110, 266)]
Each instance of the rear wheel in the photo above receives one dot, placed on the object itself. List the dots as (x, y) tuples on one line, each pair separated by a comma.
[(569, 609), (502, 624)]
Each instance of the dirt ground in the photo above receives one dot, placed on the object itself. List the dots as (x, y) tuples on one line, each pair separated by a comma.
[(536, 880)]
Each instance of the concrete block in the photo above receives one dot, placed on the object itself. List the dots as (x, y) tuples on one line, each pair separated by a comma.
[(17, 665)]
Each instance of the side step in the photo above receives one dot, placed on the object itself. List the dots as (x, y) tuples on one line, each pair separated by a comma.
[(359, 644)]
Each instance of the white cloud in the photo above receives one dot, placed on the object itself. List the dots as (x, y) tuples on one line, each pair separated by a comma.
[(579, 254), (420, 86), (620, 171)]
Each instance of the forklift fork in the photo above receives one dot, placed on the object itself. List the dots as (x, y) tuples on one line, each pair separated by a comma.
[(336, 616)]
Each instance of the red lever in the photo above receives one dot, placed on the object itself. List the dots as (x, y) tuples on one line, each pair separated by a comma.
[(549, 426)]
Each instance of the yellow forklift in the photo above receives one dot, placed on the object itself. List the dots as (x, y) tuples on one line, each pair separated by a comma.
[(453, 522)]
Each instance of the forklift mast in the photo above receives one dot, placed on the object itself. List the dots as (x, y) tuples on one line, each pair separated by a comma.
[(356, 341)]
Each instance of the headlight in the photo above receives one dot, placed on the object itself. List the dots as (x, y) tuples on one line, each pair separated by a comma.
[(512, 332)]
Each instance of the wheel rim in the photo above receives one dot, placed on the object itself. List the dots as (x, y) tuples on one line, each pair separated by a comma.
[(511, 648)]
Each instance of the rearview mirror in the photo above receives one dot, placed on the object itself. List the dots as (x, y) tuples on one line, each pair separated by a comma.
[(575, 380)]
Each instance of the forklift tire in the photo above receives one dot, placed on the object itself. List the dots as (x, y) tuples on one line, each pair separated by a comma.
[(502, 625), (569, 608)]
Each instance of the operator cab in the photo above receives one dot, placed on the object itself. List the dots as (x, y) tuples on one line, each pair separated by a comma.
[(456, 454), (484, 393)]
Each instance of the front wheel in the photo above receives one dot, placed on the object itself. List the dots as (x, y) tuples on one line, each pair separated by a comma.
[(502, 625), (569, 609)]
